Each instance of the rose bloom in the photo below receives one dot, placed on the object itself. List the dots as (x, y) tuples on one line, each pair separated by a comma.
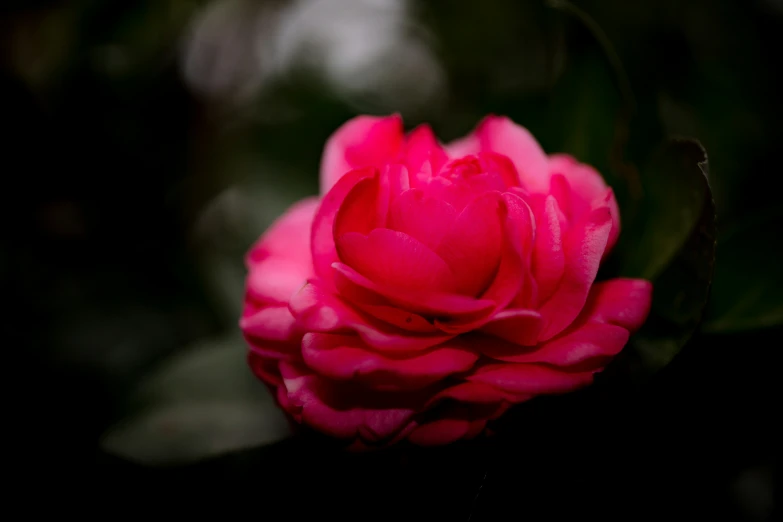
[(431, 287)]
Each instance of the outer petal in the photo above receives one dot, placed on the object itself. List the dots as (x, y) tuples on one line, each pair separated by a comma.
[(440, 432), (280, 261), (614, 309), (365, 141), (275, 279), (288, 237), (588, 190), (501, 135), (339, 410), (530, 379), (518, 326), (589, 342), (274, 323), (584, 247), (346, 357), (622, 302)]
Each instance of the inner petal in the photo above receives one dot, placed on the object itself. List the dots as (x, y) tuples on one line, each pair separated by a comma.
[(395, 259), (425, 218), (473, 245)]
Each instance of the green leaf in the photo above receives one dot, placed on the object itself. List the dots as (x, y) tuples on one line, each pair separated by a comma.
[(748, 279), (674, 187), (200, 404), (591, 104), (682, 278)]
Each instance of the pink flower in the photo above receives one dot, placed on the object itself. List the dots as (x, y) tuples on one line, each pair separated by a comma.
[(432, 287)]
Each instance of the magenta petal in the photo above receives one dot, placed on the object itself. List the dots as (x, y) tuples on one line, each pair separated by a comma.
[(517, 326), (274, 323), (440, 432), (421, 146), (584, 247), (548, 255), (288, 237), (530, 379), (324, 251), (472, 247), (397, 260), (475, 392), (265, 369), (317, 310), (353, 285), (503, 136), (365, 141), (276, 279), (318, 403), (363, 209), (588, 190), (590, 341), (512, 273), (425, 218), (346, 357), (519, 231), (394, 316), (622, 302)]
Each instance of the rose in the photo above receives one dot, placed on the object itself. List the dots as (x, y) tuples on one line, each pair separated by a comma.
[(430, 288)]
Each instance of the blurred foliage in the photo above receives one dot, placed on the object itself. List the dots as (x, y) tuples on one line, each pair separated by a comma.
[(148, 143)]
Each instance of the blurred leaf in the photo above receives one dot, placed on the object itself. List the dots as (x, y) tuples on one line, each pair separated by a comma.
[(674, 187), (592, 102), (203, 403), (676, 250), (748, 279)]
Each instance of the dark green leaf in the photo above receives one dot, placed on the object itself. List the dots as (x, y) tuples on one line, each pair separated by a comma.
[(201, 404), (748, 279), (673, 202), (591, 103), (680, 256)]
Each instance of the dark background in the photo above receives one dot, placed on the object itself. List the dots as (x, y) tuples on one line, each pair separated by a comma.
[(146, 144)]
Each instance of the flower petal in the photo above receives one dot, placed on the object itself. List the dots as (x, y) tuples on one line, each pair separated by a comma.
[(501, 135), (318, 310), (274, 323), (474, 392), (363, 209), (396, 259), (472, 246), (622, 302), (590, 341), (357, 288), (529, 379), (346, 357), (288, 237), (422, 217), (588, 190), (440, 432), (548, 254), (365, 141), (421, 146), (340, 412), (275, 279), (584, 247), (516, 326), (324, 251), (519, 231)]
